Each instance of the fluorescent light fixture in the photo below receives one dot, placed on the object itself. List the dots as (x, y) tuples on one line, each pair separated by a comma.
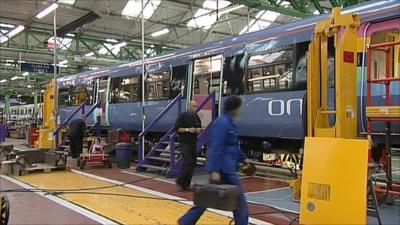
[(6, 25), (41, 91), (15, 78), (21, 61), (63, 62), (47, 11), (111, 40), (70, 35), (160, 32), (230, 9), (66, 2), (18, 96), (122, 44), (25, 74), (133, 8), (12, 33), (3, 81), (93, 68), (316, 12), (10, 60), (212, 4), (29, 86), (89, 54)]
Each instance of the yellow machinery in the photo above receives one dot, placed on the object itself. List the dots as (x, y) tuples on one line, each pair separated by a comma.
[(46, 138), (334, 179)]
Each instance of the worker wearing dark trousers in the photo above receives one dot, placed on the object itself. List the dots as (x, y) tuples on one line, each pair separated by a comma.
[(188, 126), (76, 133), (223, 158)]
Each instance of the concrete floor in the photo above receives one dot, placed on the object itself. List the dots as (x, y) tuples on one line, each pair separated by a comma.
[(264, 196)]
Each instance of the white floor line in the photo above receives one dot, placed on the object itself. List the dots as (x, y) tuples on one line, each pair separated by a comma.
[(142, 175), (269, 190), (69, 205), (163, 195)]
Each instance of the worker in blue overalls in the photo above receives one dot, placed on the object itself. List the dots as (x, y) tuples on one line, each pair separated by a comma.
[(223, 158)]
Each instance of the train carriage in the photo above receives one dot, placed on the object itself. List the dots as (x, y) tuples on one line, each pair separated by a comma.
[(267, 68)]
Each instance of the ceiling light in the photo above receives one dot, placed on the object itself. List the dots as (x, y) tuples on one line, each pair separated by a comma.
[(42, 91), (122, 44), (133, 8), (160, 32), (89, 54), (111, 40), (70, 35), (93, 68), (21, 61), (25, 74), (47, 11), (212, 4), (63, 62), (3, 81), (29, 86), (10, 60), (66, 2), (230, 9), (12, 33), (15, 78), (316, 12), (6, 25), (18, 96)]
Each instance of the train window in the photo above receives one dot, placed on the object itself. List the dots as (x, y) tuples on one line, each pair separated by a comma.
[(270, 71), (80, 94), (125, 89), (64, 97), (178, 80), (89, 92), (207, 74), (379, 60), (157, 85)]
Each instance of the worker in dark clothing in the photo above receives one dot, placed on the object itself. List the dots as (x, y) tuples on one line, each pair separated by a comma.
[(188, 126), (76, 133), (223, 158)]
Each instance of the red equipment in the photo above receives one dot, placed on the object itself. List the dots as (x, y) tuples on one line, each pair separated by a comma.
[(95, 155), (387, 113)]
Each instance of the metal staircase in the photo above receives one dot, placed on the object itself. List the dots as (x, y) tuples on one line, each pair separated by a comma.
[(164, 157), (81, 109)]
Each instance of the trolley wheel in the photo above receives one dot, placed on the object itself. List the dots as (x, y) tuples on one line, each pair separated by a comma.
[(4, 210), (82, 164), (109, 163), (78, 162)]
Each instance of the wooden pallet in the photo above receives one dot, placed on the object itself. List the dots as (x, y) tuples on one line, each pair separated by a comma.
[(42, 168)]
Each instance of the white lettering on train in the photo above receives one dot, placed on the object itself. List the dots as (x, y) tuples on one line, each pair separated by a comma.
[(280, 107)]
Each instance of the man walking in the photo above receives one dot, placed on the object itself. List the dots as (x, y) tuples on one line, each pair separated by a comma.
[(76, 133), (188, 126)]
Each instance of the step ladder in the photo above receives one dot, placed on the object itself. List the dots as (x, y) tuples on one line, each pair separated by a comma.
[(164, 157)]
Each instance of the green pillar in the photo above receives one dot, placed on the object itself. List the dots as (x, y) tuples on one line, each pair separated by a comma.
[(7, 106), (35, 103)]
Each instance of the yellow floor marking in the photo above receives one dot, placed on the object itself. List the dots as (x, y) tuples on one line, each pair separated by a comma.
[(124, 210)]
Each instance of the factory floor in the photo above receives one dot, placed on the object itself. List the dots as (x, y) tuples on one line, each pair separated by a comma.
[(113, 196)]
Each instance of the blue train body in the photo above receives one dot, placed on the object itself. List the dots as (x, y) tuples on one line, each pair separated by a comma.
[(270, 114)]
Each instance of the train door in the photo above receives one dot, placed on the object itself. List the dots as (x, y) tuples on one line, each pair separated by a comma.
[(102, 96), (206, 77)]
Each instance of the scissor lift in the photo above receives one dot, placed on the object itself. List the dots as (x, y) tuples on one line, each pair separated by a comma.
[(386, 113), (335, 168)]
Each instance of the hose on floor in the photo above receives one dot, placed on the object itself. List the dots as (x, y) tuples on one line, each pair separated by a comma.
[(86, 191)]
